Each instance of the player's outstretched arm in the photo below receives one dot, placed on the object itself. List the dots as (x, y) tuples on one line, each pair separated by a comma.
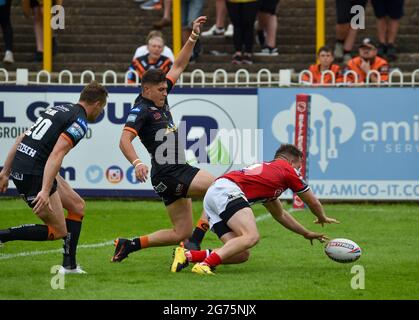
[(185, 53), (7, 167), (316, 207), (52, 167), (125, 144), (289, 222)]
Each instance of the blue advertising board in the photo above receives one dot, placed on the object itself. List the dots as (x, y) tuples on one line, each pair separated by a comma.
[(364, 142)]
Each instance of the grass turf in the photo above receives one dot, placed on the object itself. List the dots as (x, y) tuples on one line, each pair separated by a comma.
[(283, 265)]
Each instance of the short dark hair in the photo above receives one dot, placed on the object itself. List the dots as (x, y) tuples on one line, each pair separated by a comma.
[(325, 49), (153, 76), (94, 92), (288, 150)]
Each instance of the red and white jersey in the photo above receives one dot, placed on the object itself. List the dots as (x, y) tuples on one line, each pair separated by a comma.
[(267, 180)]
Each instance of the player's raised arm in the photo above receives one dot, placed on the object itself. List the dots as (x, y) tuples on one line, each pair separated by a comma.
[(7, 167), (316, 207), (185, 53), (289, 222), (52, 167)]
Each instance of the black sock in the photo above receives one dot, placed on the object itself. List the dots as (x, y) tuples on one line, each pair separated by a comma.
[(70, 243), (27, 232), (199, 232), (135, 245), (347, 51)]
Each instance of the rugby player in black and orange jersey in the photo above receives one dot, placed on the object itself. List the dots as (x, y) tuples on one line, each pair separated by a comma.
[(172, 178), (227, 204), (33, 164)]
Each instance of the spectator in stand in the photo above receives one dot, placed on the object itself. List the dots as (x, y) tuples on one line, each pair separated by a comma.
[(191, 10), (6, 26), (218, 29), (267, 25), (151, 4), (366, 62), (388, 14), (166, 20), (345, 34), (243, 15), (325, 58), (154, 59), (38, 26), (143, 50)]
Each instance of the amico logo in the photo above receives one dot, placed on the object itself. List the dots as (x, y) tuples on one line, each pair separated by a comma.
[(332, 124)]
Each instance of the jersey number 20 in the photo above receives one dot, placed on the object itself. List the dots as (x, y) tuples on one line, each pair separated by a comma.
[(39, 129)]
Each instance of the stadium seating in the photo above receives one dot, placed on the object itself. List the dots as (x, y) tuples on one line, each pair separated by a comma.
[(102, 35)]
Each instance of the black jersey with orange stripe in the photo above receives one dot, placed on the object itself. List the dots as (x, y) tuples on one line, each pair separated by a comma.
[(157, 131), (69, 120)]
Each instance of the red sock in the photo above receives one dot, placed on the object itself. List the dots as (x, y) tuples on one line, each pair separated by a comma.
[(213, 260), (197, 256)]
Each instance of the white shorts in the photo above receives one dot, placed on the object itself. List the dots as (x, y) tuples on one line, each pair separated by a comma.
[(222, 200)]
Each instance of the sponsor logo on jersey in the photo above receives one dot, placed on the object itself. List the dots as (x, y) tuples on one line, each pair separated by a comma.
[(61, 108), (76, 131), (82, 123), (131, 118), (135, 110), (156, 115), (26, 150)]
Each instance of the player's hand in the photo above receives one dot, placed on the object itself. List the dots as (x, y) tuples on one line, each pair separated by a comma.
[(141, 172), (326, 220), (196, 25), (4, 182), (313, 236), (41, 201)]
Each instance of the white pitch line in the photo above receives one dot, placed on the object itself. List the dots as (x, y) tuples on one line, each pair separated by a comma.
[(83, 246), (36, 253)]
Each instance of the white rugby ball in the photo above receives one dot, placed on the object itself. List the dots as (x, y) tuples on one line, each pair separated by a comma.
[(343, 250)]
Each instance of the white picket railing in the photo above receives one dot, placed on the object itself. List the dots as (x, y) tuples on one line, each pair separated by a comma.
[(218, 78)]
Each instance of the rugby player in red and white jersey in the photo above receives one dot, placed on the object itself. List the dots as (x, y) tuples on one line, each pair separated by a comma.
[(227, 205)]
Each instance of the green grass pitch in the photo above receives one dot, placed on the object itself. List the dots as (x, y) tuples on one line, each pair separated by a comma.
[(282, 266)]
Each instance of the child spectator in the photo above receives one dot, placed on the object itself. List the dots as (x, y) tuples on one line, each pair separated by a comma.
[(325, 58)]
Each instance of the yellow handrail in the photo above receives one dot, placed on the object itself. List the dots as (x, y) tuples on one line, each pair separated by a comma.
[(177, 26), (320, 24), (47, 36)]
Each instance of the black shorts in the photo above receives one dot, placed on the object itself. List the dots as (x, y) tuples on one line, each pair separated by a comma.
[(343, 9), (172, 182), (268, 6), (388, 8), (29, 185), (221, 228)]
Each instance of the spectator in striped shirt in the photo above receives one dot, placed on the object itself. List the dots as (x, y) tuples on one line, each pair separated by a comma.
[(154, 59)]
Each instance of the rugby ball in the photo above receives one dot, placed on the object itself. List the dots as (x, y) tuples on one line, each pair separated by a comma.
[(343, 250)]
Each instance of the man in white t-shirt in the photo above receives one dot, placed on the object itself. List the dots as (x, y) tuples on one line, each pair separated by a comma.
[(143, 50)]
